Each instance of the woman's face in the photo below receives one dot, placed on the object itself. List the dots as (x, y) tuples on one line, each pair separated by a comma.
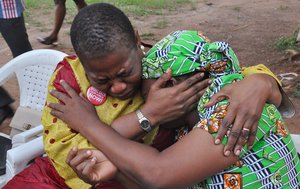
[(117, 74)]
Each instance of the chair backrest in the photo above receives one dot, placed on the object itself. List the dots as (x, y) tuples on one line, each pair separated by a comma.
[(33, 70)]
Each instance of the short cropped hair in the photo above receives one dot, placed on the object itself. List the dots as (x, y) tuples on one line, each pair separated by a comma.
[(99, 29)]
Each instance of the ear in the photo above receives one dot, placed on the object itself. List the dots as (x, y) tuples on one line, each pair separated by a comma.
[(138, 38)]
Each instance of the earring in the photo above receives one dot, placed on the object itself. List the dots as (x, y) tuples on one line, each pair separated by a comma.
[(143, 49)]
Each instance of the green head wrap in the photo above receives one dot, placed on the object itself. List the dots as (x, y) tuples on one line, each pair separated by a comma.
[(189, 51)]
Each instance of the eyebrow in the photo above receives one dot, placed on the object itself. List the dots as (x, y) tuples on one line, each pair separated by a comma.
[(126, 69), (121, 71)]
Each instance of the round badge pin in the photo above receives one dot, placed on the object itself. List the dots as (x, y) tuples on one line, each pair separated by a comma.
[(95, 96)]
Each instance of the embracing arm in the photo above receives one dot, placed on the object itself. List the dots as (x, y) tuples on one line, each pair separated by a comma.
[(247, 99), (189, 161), (272, 83), (158, 109)]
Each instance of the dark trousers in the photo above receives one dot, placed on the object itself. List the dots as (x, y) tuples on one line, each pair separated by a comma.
[(5, 99), (14, 33)]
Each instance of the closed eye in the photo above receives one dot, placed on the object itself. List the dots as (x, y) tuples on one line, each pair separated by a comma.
[(127, 73), (101, 81)]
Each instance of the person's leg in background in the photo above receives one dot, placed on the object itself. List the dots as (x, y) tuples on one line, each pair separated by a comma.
[(5, 101), (14, 33), (13, 30), (60, 13)]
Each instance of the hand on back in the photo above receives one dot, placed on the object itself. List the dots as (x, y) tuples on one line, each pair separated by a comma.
[(247, 99), (74, 110)]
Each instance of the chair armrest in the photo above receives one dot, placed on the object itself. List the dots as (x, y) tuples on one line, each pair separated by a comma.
[(2, 180), (19, 157), (26, 136), (6, 72)]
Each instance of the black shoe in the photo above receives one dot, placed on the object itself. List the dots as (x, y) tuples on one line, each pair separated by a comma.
[(5, 112)]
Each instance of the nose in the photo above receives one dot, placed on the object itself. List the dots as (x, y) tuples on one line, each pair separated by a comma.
[(118, 87)]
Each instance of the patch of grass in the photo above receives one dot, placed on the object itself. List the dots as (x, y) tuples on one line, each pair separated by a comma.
[(153, 4), (283, 7), (134, 7), (193, 5), (161, 24), (67, 33), (37, 10), (34, 8), (238, 9), (139, 11), (287, 42), (147, 36), (36, 4)]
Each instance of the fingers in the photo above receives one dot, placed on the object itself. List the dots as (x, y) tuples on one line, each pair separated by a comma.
[(216, 98), (57, 107), (68, 89), (191, 103), (57, 114), (161, 82), (77, 160), (71, 154), (188, 83), (198, 88), (234, 135), (89, 166), (243, 138), (60, 96), (193, 94), (83, 97), (252, 135), (225, 124), (57, 110)]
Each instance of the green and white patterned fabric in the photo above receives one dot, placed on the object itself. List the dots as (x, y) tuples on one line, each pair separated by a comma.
[(272, 162)]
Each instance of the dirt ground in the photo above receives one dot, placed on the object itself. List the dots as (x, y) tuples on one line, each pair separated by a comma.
[(251, 27)]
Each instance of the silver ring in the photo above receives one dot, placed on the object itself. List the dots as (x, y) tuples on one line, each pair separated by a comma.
[(246, 129)]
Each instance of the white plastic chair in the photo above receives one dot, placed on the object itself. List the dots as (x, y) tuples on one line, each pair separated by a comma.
[(19, 157), (33, 70)]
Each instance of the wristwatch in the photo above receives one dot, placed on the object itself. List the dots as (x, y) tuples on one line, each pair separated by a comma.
[(144, 122)]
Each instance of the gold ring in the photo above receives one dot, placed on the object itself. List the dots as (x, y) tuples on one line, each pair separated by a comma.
[(246, 129)]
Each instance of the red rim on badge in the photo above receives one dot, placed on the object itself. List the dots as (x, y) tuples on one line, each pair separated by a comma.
[(95, 96)]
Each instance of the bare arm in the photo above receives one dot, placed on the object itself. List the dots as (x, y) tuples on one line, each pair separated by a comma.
[(146, 166), (188, 163), (158, 109)]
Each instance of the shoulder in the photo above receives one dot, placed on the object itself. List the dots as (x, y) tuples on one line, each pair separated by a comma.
[(65, 71)]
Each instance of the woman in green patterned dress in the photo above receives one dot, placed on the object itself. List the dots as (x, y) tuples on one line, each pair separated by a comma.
[(194, 161), (272, 161)]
